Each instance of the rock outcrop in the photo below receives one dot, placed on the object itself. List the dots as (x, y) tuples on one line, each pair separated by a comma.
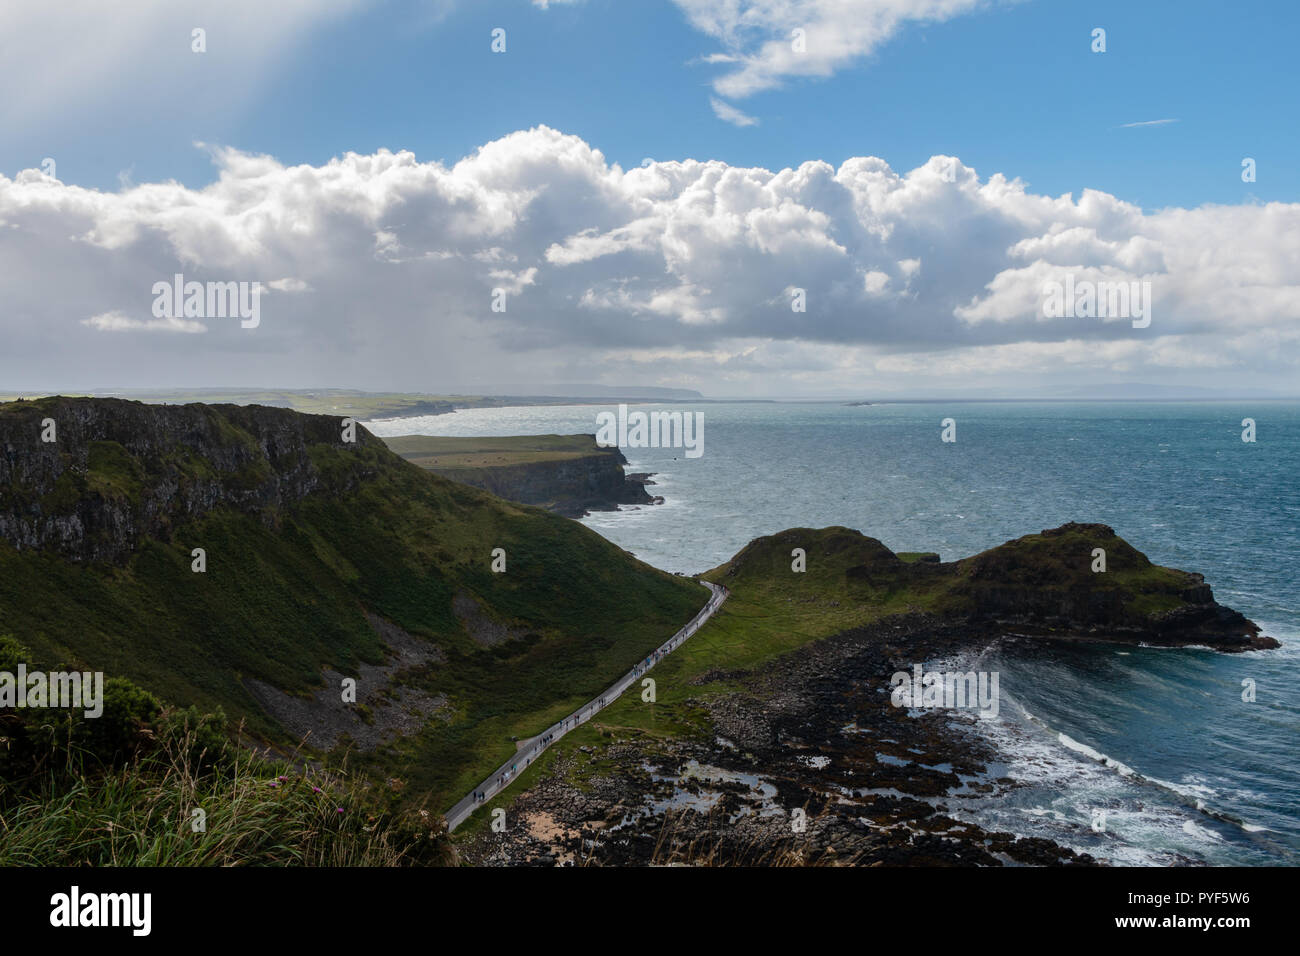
[(571, 486), (1046, 583), (116, 471)]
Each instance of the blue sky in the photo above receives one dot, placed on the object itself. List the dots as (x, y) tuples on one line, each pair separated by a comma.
[(1013, 87), (667, 192)]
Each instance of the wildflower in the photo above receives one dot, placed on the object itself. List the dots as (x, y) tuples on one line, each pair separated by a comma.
[(339, 810)]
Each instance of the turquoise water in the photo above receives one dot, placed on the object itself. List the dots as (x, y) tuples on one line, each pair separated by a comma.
[(1158, 740)]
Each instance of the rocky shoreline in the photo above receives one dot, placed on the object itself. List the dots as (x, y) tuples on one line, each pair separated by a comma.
[(811, 733)]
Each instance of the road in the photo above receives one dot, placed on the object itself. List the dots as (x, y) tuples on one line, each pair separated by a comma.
[(532, 748)]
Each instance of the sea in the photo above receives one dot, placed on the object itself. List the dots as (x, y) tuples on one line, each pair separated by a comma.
[(1137, 755)]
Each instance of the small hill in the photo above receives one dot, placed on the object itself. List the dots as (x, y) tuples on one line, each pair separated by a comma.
[(1039, 584)]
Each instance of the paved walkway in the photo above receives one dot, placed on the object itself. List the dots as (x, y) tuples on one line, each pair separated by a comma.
[(532, 748)]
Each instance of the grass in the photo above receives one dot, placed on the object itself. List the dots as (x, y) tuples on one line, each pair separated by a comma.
[(286, 592), (438, 452), (160, 811)]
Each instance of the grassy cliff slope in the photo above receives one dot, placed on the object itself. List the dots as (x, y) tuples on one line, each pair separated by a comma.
[(320, 554)]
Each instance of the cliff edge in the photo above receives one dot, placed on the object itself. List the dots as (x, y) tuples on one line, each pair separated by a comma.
[(568, 474)]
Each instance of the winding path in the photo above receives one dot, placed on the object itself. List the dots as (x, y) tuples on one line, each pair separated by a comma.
[(532, 748)]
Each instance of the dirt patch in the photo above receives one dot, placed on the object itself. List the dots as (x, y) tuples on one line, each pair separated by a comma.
[(479, 626), (382, 710)]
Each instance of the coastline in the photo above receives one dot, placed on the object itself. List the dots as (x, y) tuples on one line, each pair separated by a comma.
[(814, 732), (811, 732)]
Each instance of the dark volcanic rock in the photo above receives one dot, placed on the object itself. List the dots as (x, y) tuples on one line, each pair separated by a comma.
[(1044, 583), (802, 739)]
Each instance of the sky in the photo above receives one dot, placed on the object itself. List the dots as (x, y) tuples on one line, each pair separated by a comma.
[(752, 198)]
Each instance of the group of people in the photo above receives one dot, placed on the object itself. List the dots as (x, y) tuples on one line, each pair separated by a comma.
[(646, 664)]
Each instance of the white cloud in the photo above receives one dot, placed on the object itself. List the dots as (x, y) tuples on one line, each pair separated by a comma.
[(729, 114), (767, 42), (116, 321), (288, 285), (759, 39), (392, 263)]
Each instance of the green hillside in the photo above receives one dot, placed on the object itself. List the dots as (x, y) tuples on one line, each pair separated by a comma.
[(1048, 581), (290, 582), (491, 451)]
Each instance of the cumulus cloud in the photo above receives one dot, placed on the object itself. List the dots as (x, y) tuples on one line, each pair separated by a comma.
[(536, 255)]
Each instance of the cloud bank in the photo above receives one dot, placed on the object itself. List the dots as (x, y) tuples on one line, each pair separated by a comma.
[(536, 256)]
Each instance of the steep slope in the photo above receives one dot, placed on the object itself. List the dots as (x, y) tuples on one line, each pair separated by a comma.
[(321, 555)]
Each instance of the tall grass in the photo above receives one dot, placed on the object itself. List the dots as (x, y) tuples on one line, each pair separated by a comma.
[(255, 812)]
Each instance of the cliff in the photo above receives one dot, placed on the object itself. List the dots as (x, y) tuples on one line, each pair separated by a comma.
[(568, 474), (118, 471)]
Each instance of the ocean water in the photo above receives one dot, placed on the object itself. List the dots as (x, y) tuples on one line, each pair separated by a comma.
[(1160, 741)]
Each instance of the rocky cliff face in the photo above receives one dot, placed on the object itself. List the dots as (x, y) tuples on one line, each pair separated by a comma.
[(570, 487), (118, 470)]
